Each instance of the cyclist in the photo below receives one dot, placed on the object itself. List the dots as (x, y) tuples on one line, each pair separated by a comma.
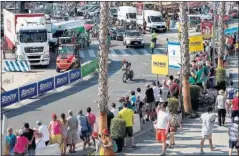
[(127, 65)]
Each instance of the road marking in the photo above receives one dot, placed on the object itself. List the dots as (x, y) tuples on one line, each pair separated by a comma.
[(145, 52), (113, 52), (123, 52), (82, 54), (133, 52), (91, 53)]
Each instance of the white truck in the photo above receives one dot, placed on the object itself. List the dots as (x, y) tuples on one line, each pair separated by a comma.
[(154, 20), (28, 36), (126, 14)]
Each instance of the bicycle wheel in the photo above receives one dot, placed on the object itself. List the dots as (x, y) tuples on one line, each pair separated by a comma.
[(124, 77)]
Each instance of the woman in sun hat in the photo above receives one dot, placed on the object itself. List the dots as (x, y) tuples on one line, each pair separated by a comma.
[(107, 144), (98, 142), (220, 106)]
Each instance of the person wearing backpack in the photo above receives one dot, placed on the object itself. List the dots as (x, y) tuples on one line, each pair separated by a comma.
[(230, 91), (92, 120)]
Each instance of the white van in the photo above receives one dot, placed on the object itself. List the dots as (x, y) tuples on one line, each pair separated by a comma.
[(154, 20), (127, 14)]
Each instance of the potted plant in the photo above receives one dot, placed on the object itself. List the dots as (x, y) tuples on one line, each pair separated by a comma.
[(195, 94), (173, 105), (221, 78), (117, 132)]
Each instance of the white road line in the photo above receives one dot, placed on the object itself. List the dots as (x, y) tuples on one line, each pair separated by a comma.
[(123, 52), (91, 53), (134, 52), (82, 54), (112, 53), (145, 52)]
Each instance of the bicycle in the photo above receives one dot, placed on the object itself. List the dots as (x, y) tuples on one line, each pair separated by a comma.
[(128, 74)]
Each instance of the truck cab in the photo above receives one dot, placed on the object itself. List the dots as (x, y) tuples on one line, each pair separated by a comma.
[(127, 14)]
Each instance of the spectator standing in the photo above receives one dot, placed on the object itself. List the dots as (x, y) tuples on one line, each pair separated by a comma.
[(220, 106), (84, 128), (40, 143), (22, 143), (140, 105), (10, 142), (107, 144), (98, 141), (149, 101), (230, 91), (72, 137), (114, 110), (92, 120), (156, 92), (129, 105), (235, 106), (170, 81), (233, 136), (29, 134), (128, 115), (208, 120), (64, 124), (174, 89), (204, 77), (211, 75), (162, 126), (110, 116), (133, 100), (44, 132), (164, 94)]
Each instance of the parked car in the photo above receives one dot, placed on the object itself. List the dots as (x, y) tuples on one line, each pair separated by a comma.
[(133, 38)]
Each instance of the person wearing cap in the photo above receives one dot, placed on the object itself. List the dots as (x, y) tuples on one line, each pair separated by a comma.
[(10, 141), (22, 143), (235, 106), (55, 130), (72, 129), (221, 107), (44, 132), (29, 134), (233, 133), (98, 142), (107, 144)]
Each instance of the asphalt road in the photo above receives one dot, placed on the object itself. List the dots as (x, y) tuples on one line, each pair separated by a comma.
[(83, 94)]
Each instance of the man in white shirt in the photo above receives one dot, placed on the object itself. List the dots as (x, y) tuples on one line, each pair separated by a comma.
[(164, 93), (162, 125), (114, 110), (44, 131), (156, 91), (208, 120)]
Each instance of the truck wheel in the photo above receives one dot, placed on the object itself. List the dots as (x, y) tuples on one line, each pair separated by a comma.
[(58, 70)]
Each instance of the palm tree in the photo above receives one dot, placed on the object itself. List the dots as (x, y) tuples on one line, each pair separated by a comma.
[(185, 57), (221, 24), (103, 65)]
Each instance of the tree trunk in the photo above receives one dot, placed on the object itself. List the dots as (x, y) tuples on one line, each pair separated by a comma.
[(103, 66), (185, 57), (221, 24)]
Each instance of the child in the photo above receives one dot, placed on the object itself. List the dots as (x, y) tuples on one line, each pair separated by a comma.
[(152, 46), (98, 142)]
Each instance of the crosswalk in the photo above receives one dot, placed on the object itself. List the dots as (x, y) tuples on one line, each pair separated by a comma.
[(92, 53)]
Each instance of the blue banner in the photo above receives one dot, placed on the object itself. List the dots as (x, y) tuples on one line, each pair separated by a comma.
[(10, 97), (75, 74), (45, 85), (61, 80), (28, 91)]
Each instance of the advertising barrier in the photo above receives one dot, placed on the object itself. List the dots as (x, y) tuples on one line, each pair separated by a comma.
[(207, 30), (174, 54), (45, 85), (195, 44), (61, 80), (74, 75), (10, 97), (28, 91), (160, 64), (89, 67)]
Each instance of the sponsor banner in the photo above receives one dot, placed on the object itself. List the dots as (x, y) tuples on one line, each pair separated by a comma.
[(45, 85), (207, 29), (160, 64), (140, 8), (174, 54), (74, 75), (61, 80), (89, 67), (28, 91), (9, 97), (195, 44), (231, 31)]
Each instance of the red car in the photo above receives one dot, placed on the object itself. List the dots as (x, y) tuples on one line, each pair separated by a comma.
[(89, 24)]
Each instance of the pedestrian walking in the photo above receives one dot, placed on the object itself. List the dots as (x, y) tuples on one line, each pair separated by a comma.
[(233, 136), (230, 92), (64, 126), (149, 102), (29, 134), (114, 110), (128, 115), (84, 128), (72, 136), (207, 120), (10, 142), (235, 106), (55, 131), (44, 132), (221, 107), (92, 120), (162, 126), (152, 46), (22, 144)]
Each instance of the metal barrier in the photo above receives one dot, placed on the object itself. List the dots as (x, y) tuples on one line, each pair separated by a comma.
[(49, 84), (16, 66)]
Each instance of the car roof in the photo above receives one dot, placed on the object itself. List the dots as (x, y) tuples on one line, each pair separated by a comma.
[(132, 31)]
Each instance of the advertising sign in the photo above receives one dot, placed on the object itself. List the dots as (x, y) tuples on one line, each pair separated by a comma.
[(75, 75), (160, 64), (28, 91), (89, 67), (231, 31), (195, 44), (140, 8), (45, 85), (61, 80), (174, 54), (10, 97), (207, 29)]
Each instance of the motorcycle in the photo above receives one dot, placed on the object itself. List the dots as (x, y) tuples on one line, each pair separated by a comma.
[(127, 75)]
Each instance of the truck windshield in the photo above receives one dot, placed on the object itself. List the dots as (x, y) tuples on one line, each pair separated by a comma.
[(156, 19), (131, 15), (33, 36)]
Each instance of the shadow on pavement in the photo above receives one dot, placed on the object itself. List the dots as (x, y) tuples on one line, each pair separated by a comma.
[(75, 88)]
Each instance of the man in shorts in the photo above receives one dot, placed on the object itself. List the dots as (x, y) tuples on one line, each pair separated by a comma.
[(128, 115), (233, 136), (149, 101), (208, 120), (72, 131)]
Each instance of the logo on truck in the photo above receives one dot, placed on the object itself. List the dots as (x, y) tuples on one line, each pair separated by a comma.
[(9, 26)]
